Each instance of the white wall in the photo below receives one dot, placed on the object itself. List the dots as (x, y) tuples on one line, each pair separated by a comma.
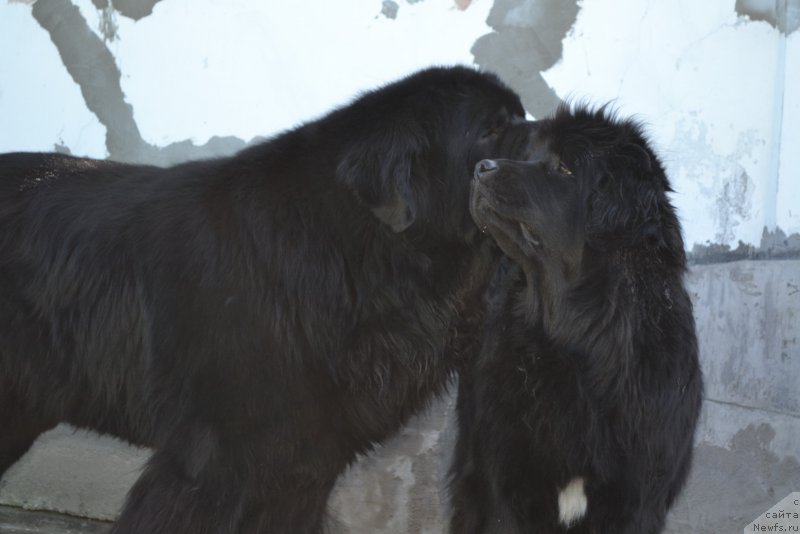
[(708, 83)]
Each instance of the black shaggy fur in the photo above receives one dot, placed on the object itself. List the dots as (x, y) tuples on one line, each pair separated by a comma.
[(588, 372), (260, 319)]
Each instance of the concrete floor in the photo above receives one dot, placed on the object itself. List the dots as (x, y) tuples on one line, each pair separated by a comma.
[(18, 521)]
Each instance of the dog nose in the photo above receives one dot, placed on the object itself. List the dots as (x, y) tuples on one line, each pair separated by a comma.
[(485, 167)]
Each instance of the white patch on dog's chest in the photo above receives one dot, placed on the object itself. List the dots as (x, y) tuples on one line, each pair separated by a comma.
[(572, 503)]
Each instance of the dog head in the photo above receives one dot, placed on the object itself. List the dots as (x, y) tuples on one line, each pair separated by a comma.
[(418, 140), (592, 190)]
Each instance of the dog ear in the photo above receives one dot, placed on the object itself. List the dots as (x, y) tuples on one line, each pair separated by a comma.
[(379, 169)]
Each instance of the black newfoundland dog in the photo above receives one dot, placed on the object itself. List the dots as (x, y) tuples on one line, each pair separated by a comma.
[(579, 414), (258, 320)]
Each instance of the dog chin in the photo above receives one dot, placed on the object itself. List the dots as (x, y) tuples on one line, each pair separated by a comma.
[(501, 230)]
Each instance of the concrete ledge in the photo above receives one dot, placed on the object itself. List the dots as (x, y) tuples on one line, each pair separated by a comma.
[(16, 521), (74, 472)]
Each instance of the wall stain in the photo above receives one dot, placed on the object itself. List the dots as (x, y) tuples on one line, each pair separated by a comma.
[(134, 9), (389, 9), (746, 476), (775, 245), (733, 203), (92, 66), (526, 41), (783, 14), (108, 23)]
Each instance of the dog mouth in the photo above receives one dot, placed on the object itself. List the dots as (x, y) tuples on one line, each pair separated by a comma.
[(529, 234), (500, 226)]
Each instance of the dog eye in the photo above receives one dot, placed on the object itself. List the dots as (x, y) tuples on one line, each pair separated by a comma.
[(495, 126), (492, 130), (563, 169)]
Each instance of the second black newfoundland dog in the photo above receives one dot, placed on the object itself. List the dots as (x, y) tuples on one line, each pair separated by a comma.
[(258, 320), (579, 414)]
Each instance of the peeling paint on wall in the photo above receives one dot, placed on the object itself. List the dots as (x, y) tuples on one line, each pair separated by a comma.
[(94, 69), (723, 181), (717, 121), (526, 41), (134, 9), (733, 202), (775, 245), (40, 104), (389, 9), (108, 23), (783, 15)]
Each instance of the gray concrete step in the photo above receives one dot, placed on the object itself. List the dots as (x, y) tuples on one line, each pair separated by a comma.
[(19, 521)]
